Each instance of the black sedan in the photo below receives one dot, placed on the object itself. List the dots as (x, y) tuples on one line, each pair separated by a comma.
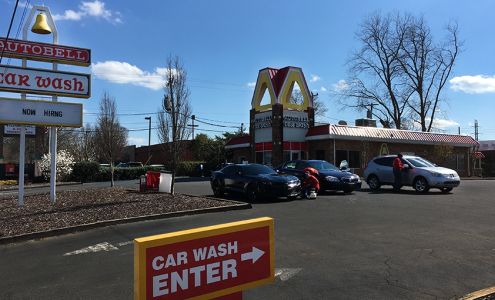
[(255, 181), (330, 177)]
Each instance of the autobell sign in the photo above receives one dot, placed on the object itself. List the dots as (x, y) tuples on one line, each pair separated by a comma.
[(43, 113), (45, 52), (207, 262), (44, 82)]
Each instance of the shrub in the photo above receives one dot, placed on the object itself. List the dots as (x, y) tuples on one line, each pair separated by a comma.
[(85, 171), (189, 168), (65, 161)]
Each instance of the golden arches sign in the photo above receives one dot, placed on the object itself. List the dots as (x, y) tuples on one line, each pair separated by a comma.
[(280, 89)]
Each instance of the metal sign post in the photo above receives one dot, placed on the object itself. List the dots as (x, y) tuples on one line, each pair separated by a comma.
[(53, 130)]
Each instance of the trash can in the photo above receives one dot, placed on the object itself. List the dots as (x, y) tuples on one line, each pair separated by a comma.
[(165, 182), (152, 180), (142, 183)]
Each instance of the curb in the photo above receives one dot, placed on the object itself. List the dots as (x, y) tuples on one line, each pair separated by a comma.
[(487, 293), (16, 187), (59, 231)]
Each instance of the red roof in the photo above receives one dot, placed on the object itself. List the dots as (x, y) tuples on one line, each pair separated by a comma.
[(385, 134), (478, 154), (277, 76), (245, 139)]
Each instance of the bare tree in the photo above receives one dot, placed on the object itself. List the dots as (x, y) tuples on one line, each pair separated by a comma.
[(399, 70), (375, 72), (319, 107), (175, 112), (80, 143), (426, 67), (110, 137)]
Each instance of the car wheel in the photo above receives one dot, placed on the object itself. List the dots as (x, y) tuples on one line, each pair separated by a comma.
[(347, 191), (446, 190), (252, 193), (421, 185), (373, 182), (217, 188)]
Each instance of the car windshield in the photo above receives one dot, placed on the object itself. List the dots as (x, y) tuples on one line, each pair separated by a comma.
[(420, 162), (257, 169), (322, 165)]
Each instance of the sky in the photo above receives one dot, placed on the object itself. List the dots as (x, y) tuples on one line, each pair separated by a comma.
[(224, 43)]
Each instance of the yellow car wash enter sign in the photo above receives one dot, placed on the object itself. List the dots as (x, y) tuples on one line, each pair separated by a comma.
[(206, 262)]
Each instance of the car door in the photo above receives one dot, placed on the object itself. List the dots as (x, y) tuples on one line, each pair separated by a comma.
[(384, 169), (229, 177), (408, 173)]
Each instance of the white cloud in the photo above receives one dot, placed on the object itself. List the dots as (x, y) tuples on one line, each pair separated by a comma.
[(477, 84), (314, 78), (94, 9), (443, 123), (69, 15), (133, 140), (251, 84), (323, 89), (125, 73), (340, 86)]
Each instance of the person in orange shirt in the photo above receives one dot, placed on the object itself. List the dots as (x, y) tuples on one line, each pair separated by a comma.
[(398, 166)]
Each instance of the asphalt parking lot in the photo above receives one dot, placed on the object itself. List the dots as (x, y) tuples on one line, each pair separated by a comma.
[(359, 246)]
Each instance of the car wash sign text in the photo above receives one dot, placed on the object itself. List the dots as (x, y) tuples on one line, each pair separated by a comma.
[(45, 82), (206, 262)]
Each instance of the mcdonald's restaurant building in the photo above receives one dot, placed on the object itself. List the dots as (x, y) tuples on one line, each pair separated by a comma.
[(282, 130)]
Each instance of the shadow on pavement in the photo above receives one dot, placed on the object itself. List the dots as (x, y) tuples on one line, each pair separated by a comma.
[(264, 200), (405, 192), (192, 179)]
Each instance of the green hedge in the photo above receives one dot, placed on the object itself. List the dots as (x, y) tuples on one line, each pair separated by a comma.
[(85, 171), (92, 171)]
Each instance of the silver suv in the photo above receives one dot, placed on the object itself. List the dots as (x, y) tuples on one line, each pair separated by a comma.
[(418, 173)]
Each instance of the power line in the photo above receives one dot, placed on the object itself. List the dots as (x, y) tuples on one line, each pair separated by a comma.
[(10, 27), (82, 130)]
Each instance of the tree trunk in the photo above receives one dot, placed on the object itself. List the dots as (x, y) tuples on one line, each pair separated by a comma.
[(112, 171)]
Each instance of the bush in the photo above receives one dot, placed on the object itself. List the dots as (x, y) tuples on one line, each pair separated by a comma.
[(85, 171), (92, 171), (65, 161)]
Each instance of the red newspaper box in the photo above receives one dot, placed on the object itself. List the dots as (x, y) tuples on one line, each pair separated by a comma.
[(152, 180)]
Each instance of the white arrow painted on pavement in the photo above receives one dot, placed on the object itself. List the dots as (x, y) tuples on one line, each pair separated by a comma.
[(105, 246), (286, 273), (254, 255)]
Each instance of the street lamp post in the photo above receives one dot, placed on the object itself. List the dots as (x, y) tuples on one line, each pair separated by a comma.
[(149, 138)]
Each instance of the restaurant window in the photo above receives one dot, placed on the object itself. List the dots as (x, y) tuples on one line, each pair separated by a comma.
[(352, 157), (264, 157), (320, 154)]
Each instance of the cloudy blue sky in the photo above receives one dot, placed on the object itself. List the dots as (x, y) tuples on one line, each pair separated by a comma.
[(223, 44)]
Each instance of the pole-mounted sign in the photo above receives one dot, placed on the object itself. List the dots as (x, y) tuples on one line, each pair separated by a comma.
[(38, 112), (206, 262), (45, 52), (44, 82)]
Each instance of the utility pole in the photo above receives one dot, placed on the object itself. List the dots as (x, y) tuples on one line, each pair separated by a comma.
[(459, 130), (149, 138), (476, 128), (193, 117), (242, 128)]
